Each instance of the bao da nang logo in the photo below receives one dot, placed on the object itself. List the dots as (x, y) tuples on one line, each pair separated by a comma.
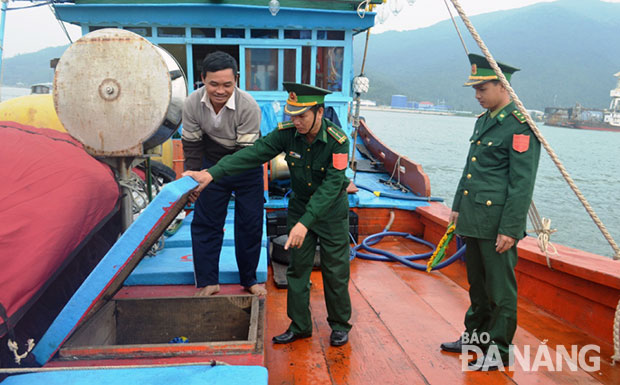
[(529, 358)]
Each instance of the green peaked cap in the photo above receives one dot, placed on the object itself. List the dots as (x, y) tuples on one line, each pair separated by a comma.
[(481, 71), (302, 97)]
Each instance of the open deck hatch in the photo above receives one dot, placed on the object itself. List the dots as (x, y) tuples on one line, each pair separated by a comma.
[(145, 327)]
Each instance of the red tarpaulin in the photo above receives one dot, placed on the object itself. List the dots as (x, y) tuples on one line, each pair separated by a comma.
[(52, 196)]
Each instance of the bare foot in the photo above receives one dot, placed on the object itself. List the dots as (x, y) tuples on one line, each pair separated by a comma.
[(207, 291), (256, 289)]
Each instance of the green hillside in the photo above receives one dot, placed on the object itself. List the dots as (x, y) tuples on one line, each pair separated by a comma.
[(567, 52), (31, 68)]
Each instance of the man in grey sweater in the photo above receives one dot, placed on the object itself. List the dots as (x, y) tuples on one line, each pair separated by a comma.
[(219, 119)]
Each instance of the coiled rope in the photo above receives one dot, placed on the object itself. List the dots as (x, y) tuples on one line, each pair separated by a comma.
[(535, 129), (542, 227)]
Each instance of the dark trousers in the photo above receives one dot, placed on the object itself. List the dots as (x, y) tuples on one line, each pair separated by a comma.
[(333, 232), (492, 291), (208, 226)]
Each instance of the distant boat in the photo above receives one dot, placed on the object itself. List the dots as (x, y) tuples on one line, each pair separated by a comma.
[(41, 88), (588, 118)]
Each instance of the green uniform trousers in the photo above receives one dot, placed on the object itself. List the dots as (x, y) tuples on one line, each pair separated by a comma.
[(492, 291), (333, 233)]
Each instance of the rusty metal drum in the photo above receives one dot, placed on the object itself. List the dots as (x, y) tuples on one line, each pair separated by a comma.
[(117, 93)]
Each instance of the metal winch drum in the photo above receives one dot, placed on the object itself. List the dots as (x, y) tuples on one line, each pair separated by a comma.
[(118, 94)]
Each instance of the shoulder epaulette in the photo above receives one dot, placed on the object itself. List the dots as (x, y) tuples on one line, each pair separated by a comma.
[(517, 114), (339, 136), (285, 125)]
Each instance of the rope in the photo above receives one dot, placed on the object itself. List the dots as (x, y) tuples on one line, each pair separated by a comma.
[(542, 227), (458, 31), (71, 368), (14, 347), (361, 8), (535, 129), (396, 170), (616, 356), (62, 26)]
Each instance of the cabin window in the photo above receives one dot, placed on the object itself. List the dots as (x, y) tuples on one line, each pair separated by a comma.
[(330, 35), (264, 33), (170, 32), (142, 31), (306, 57), (298, 34), (200, 51), (290, 60), (261, 68), (329, 67), (179, 53), (233, 33), (203, 32)]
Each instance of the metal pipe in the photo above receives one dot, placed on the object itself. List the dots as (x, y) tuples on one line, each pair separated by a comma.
[(2, 22), (124, 171)]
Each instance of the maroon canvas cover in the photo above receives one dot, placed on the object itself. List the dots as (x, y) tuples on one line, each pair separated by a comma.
[(52, 195)]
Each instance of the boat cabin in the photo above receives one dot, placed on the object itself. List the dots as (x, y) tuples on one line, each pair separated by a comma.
[(41, 88), (304, 41)]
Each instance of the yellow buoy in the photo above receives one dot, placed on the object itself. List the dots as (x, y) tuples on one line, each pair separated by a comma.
[(32, 110)]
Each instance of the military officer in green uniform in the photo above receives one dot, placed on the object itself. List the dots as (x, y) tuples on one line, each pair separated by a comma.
[(490, 210), (317, 156)]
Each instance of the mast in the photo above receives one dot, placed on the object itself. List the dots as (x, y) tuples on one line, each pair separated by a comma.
[(2, 19)]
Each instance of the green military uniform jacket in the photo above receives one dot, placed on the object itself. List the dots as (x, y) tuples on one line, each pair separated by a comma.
[(495, 190), (314, 179)]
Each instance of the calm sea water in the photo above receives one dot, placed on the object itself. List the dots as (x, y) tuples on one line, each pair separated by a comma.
[(7, 93), (592, 158), (440, 143)]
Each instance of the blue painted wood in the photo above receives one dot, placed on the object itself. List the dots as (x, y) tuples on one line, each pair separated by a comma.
[(187, 375), (108, 268), (173, 265), (235, 16)]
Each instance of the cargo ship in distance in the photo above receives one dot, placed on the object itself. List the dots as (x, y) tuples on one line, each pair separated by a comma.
[(587, 118)]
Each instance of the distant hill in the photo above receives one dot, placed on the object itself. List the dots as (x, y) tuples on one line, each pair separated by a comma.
[(567, 51), (31, 68)]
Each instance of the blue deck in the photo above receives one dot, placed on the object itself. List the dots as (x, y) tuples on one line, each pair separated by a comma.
[(173, 265), (192, 374)]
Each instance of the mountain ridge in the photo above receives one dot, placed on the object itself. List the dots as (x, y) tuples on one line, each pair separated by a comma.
[(566, 50)]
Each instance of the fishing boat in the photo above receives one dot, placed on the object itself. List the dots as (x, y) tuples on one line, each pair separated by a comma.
[(587, 118), (135, 318), (41, 88)]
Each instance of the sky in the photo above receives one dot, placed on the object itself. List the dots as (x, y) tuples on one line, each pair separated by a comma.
[(33, 29)]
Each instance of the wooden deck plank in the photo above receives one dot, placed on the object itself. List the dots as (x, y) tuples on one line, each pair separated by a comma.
[(415, 324), (301, 362), (546, 326), (372, 356), (451, 301)]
